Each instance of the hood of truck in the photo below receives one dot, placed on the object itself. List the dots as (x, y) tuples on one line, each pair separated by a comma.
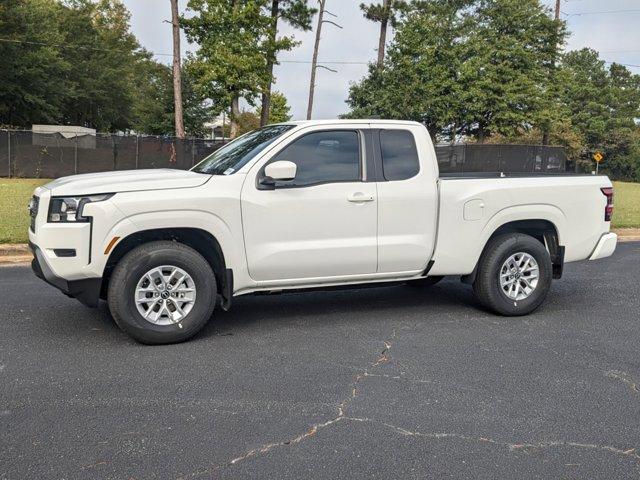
[(125, 181)]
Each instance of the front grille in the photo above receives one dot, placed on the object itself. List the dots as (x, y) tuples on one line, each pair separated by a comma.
[(33, 211)]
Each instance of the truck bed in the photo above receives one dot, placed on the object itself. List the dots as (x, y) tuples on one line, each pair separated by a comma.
[(470, 211)]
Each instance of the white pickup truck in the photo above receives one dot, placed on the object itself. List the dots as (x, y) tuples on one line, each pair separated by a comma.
[(306, 205)]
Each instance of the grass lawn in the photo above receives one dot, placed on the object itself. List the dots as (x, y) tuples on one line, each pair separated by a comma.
[(14, 216), (626, 200), (15, 195)]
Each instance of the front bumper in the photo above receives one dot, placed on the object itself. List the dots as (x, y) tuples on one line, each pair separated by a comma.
[(605, 247), (86, 290)]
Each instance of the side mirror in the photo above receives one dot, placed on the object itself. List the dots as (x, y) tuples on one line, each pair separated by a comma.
[(281, 171)]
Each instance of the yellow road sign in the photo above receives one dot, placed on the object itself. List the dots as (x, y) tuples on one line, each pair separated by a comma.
[(598, 157)]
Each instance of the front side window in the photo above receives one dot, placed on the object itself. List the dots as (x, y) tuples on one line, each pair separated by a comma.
[(233, 156), (323, 157), (399, 154)]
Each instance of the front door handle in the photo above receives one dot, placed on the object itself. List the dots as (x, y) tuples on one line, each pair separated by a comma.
[(359, 197)]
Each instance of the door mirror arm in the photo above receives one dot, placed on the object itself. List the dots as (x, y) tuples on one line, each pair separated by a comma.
[(266, 183)]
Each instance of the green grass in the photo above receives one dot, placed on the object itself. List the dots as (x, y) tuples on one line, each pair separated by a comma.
[(626, 211), (15, 195), (14, 216)]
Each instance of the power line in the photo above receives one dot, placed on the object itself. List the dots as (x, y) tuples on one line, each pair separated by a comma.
[(603, 12), (334, 62), (624, 64), (86, 47)]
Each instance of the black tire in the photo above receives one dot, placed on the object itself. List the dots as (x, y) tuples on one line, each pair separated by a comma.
[(131, 268), (425, 282), (487, 283)]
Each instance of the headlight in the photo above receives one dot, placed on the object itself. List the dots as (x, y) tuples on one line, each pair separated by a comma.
[(69, 209)]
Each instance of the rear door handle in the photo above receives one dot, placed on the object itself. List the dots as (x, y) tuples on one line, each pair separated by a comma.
[(359, 197)]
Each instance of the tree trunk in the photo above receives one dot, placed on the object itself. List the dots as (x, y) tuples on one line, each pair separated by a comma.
[(177, 76), (235, 112), (382, 41), (545, 136), (266, 94), (314, 62)]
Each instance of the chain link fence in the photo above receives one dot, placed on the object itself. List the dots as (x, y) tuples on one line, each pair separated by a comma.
[(25, 154), (486, 158)]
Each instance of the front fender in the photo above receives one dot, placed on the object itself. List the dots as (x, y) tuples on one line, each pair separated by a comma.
[(232, 247)]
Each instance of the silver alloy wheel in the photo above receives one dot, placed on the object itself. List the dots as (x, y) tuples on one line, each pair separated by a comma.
[(519, 276), (165, 295)]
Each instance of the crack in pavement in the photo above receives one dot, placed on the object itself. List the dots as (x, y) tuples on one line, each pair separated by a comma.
[(382, 358), (631, 452), (623, 377), (385, 357)]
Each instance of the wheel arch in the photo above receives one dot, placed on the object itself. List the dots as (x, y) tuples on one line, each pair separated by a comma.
[(205, 243), (543, 230)]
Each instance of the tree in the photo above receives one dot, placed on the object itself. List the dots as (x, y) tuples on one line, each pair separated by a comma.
[(420, 80), (463, 67), (177, 67), (33, 77), (384, 13), (507, 58), (603, 105), (154, 105), (102, 54), (279, 111), (229, 63), (247, 121), (298, 15)]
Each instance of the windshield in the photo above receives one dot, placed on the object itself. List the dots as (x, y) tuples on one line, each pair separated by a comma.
[(233, 156)]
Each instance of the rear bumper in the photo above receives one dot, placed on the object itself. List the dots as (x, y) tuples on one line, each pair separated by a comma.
[(605, 247), (87, 290)]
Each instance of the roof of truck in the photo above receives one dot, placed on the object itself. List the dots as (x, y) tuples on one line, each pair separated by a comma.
[(352, 120)]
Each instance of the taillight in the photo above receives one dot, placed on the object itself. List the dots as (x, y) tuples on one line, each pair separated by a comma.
[(608, 210)]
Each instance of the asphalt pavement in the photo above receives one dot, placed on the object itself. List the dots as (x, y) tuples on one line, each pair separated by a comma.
[(390, 382)]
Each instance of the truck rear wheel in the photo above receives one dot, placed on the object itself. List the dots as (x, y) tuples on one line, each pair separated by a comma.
[(162, 292), (514, 274)]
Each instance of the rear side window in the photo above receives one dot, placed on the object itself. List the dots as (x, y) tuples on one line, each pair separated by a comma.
[(399, 154), (323, 157)]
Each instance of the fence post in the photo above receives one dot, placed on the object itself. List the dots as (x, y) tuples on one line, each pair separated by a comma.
[(193, 152), (75, 156), (137, 149), (9, 150)]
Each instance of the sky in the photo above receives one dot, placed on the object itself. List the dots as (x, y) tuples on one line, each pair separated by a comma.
[(611, 27)]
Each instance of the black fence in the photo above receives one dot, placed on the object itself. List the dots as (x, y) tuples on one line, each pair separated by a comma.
[(37, 155), (485, 158)]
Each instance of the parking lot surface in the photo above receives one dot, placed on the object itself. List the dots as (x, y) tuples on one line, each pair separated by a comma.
[(390, 382)]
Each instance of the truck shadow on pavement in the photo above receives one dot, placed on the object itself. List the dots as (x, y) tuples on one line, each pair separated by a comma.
[(450, 298)]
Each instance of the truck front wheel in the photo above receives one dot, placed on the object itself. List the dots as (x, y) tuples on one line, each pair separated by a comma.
[(162, 292), (514, 274)]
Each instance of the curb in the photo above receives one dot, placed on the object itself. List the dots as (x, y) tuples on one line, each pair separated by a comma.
[(19, 253), (15, 254)]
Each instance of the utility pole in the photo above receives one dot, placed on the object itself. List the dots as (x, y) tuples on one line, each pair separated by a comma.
[(314, 62), (177, 74)]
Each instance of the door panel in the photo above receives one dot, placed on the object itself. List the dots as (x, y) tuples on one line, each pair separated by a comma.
[(310, 232), (320, 224), (407, 202)]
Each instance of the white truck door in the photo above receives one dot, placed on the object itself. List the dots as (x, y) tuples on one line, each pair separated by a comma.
[(407, 198), (323, 222)]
